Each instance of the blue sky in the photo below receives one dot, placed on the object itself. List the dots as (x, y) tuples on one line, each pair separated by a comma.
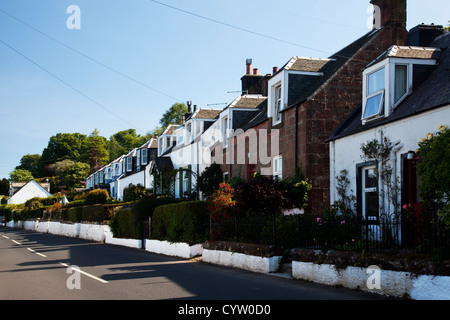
[(164, 56)]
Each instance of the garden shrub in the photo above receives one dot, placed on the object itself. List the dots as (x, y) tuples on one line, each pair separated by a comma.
[(134, 192), (145, 206), (210, 179), (98, 196), (96, 213), (181, 222), (125, 225), (74, 214)]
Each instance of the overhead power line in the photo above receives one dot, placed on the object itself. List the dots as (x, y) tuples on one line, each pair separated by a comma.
[(236, 27), (70, 86), (88, 57), (249, 31)]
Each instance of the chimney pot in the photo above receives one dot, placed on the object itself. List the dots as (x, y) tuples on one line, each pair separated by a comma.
[(248, 62), (255, 71), (274, 70)]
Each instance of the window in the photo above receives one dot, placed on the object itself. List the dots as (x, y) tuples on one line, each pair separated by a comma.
[(401, 79), (129, 164), (189, 131), (224, 131), (117, 169), (186, 188), (138, 158), (278, 167), (144, 156), (367, 192), (180, 137), (277, 100), (374, 102)]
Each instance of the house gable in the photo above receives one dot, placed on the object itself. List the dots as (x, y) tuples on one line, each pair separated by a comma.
[(30, 190)]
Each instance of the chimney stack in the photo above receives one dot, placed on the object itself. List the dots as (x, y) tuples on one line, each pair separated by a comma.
[(391, 16), (389, 13)]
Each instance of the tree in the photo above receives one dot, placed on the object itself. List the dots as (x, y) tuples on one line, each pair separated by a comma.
[(71, 173), (20, 175), (123, 141), (210, 179), (98, 154), (30, 162), (64, 146), (4, 187), (173, 115), (434, 168)]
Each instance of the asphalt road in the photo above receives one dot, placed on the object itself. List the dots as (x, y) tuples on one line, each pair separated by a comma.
[(36, 266)]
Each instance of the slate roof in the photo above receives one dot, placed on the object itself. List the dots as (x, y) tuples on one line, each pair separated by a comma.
[(331, 66), (206, 114), (408, 52), (163, 163), (304, 86), (247, 102), (305, 64), (432, 92)]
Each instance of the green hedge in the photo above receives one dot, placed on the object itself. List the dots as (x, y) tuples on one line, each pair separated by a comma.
[(181, 222), (127, 223), (92, 213)]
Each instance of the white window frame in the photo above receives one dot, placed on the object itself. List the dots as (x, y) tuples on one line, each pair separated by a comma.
[(185, 182), (224, 126), (144, 156), (129, 164), (138, 158), (365, 190), (368, 96), (278, 167), (278, 103)]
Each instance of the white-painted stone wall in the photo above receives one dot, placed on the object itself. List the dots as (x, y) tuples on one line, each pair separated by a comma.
[(391, 283), (242, 261), (178, 249)]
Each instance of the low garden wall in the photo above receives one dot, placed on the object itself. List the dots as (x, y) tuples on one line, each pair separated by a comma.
[(257, 258), (390, 274)]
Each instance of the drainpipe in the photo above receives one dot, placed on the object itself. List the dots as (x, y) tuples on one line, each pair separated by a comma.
[(395, 149), (296, 139)]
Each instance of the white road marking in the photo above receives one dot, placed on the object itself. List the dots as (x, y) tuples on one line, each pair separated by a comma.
[(16, 242), (84, 272), (5, 236), (39, 254)]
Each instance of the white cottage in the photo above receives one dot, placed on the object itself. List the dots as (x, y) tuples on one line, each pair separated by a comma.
[(406, 95), (21, 192)]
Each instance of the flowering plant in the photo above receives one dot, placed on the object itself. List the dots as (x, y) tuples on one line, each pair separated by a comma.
[(221, 204)]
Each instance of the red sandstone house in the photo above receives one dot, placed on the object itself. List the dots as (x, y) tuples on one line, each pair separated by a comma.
[(307, 99)]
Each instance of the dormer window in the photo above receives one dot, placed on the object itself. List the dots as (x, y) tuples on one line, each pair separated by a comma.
[(389, 79), (375, 94)]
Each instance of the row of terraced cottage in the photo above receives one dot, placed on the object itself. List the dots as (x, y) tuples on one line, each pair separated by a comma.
[(313, 112)]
